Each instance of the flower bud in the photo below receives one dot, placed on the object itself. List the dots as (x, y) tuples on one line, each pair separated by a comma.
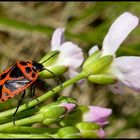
[(68, 132), (88, 130), (57, 70), (104, 79), (66, 99), (72, 118), (53, 114), (56, 111), (49, 61), (50, 58), (98, 66), (97, 114), (92, 58), (92, 114)]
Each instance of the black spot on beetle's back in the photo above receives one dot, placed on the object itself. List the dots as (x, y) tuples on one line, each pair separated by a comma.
[(16, 72), (33, 75), (3, 76), (23, 63), (34, 70), (28, 69)]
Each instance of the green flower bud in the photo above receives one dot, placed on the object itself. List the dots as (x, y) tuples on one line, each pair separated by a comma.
[(56, 111), (49, 61), (93, 57), (50, 58), (104, 79), (50, 121), (88, 130), (99, 65), (57, 70), (52, 114), (68, 132), (66, 99), (85, 126), (72, 119)]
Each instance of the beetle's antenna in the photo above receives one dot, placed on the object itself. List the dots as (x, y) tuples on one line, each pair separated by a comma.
[(49, 57), (56, 78)]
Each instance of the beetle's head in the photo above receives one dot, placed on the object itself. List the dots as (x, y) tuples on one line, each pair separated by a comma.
[(38, 66)]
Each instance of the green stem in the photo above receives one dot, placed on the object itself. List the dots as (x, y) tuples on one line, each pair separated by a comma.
[(44, 96), (25, 135), (28, 120), (26, 129), (23, 114)]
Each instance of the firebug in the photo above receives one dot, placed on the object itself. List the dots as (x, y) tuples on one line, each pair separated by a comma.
[(20, 76)]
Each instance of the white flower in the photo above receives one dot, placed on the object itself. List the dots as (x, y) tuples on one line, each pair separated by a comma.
[(117, 33), (70, 55), (93, 49), (125, 69)]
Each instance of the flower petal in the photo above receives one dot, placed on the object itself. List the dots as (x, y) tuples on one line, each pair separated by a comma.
[(119, 30), (68, 106), (101, 133), (57, 38), (97, 114), (93, 49), (127, 70), (70, 55)]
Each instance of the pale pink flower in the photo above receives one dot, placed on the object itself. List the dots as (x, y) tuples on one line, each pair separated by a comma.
[(97, 114), (71, 55), (125, 69)]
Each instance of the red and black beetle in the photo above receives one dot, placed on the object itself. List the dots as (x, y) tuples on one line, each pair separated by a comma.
[(17, 78)]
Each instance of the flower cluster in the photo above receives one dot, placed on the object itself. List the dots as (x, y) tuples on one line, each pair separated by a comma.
[(76, 121), (124, 69), (102, 67)]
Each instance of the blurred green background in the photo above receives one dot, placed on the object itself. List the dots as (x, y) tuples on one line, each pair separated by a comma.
[(25, 34)]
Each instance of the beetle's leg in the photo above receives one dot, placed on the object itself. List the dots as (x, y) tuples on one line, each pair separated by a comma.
[(33, 92), (45, 85), (21, 99), (55, 77)]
